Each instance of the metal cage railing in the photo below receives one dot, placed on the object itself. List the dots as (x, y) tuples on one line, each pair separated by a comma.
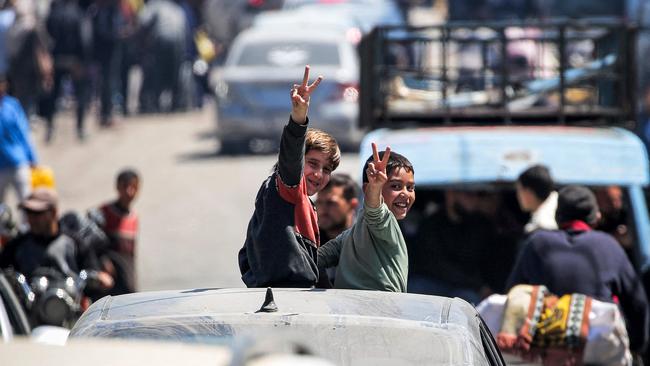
[(552, 72)]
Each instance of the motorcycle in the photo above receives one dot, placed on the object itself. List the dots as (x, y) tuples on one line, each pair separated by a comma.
[(50, 297)]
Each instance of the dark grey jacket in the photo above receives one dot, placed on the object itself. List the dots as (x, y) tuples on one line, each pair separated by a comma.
[(282, 236)]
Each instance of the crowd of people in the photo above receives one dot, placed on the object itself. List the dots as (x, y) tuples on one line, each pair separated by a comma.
[(85, 49), (39, 237)]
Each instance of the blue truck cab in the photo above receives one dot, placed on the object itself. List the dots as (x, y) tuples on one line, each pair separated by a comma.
[(480, 157)]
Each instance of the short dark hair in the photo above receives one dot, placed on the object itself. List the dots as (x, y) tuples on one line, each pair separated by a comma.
[(350, 187), (126, 175), (395, 161), (576, 203), (538, 179)]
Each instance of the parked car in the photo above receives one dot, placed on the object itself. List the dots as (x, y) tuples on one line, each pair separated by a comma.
[(371, 13), (314, 17), (252, 88), (345, 327)]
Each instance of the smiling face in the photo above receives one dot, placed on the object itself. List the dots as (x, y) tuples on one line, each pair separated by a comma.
[(317, 171), (399, 192)]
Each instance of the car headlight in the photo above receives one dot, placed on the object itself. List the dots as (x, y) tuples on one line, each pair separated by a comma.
[(40, 284), (55, 307), (200, 67)]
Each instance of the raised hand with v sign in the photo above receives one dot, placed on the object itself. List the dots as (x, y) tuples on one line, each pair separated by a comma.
[(377, 177), (300, 95)]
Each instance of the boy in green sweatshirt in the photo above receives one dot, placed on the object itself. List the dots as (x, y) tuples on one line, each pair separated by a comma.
[(371, 255)]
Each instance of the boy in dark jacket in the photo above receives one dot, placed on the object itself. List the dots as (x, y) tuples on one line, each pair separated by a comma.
[(282, 235)]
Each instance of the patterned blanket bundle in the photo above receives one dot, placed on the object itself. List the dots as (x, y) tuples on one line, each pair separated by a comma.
[(535, 325)]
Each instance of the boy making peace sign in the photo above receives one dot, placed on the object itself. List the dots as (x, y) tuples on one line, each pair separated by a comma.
[(282, 236), (372, 255)]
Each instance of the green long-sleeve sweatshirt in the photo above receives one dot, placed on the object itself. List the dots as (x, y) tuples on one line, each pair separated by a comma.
[(371, 255)]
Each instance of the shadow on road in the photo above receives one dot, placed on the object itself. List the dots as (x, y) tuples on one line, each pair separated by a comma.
[(197, 156), (206, 135), (215, 154)]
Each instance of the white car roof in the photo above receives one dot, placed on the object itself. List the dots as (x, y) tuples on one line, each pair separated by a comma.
[(355, 323), (313, 17), (347, 57)]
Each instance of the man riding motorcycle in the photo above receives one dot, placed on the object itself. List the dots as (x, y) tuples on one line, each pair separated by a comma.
[(45, 248)]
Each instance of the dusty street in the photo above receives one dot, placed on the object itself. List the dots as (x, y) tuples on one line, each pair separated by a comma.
[(194, 205)]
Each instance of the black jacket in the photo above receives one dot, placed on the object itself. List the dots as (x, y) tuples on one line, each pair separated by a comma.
[(282, 235), (28, 252)]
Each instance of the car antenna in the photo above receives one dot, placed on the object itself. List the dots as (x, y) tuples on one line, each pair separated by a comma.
[(269, 304)]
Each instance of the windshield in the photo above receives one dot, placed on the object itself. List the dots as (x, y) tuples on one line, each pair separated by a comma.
[(292, 4), (277, 54)]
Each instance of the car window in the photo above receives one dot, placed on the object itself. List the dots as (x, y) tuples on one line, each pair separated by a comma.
[(283, 54), (292, 4), (489, 345)]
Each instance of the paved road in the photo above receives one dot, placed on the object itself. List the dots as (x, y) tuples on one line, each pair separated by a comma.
[(194, 205)]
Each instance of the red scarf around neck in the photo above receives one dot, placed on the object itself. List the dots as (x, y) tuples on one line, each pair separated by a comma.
[(575, 225)]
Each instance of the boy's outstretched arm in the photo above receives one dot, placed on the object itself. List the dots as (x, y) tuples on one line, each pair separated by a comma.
[(300, 95), (377, 177), (290, 162)]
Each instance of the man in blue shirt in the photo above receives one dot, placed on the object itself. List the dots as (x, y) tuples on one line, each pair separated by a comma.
[(17, 152)]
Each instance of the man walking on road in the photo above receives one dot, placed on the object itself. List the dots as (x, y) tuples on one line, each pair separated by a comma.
[(17, 152)]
